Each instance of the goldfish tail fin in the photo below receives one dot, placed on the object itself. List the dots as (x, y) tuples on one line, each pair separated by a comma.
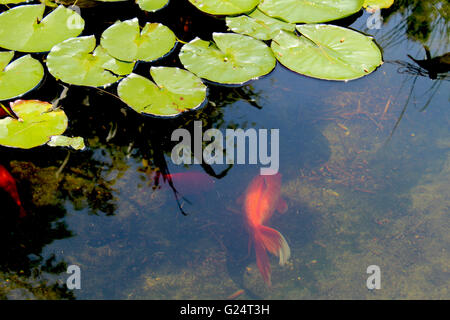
[(268, 239), (275, 243), (262, 259)]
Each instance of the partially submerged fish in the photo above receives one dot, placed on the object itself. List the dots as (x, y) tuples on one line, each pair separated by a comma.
[(8, 184), (262, 198)]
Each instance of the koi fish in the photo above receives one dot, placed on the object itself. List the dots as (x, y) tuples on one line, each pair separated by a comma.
[(8, 184), (262, 198)]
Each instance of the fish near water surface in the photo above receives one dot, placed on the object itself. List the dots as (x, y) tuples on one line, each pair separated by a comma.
[(8, 184), (262, 198)]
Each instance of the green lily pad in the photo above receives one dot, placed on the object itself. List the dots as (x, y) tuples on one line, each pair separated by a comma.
[(380, 4), (225, 7), (18, 77), (258, 25), (173, 92), (76, 143), (35, 126), (310, 11), (77, 61), (23, 28), (152, 5), (327, 52), (12, 1), (125, 41), (232, 59)]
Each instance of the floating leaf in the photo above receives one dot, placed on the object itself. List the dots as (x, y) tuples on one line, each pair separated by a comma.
[(12, 1), (125, 41), (225, 7), (23, 28), (76, 143), (258, 25), (380, 4), (310, 11), (327, 52), (36, 124), (152, 5), (233, 59), (174, 91), (18, 77), (77, 61)]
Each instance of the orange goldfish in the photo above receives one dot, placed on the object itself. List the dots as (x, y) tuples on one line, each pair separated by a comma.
[(262, 198), (8, 184)]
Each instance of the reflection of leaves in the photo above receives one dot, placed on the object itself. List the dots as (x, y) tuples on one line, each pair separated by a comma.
[(423, 19)]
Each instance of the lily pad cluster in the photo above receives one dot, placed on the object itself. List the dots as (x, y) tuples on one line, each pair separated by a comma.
[(292, 32)]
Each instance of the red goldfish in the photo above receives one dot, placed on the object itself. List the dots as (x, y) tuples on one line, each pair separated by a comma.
[(262, 198), (8, 184)]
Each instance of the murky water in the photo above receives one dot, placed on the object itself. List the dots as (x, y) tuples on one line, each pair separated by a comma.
[(366, 176)]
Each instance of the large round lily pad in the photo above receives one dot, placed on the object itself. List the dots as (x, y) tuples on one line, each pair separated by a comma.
[(310, 11), (225, 7), (327, 52), (125, 41), (232, 59), (35, 126), (258, 25), (18, 77), (23, 29), (77, 61), (173, 91), (152, 5)]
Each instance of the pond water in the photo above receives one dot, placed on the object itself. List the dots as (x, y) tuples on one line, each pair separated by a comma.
[(365, 170)]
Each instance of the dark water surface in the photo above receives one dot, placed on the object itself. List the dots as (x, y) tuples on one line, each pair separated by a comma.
[(365, 165)]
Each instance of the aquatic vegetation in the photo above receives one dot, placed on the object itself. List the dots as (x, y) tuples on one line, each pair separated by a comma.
[(76, 143), (232, 59), (229, 7), (124, 41), (380, 4), (327, 52), (37, 34), (12, 1), (152, 5), (258, 25), (24, 131), (78, 61), (174, 91), (312, 11), (18, 77)]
